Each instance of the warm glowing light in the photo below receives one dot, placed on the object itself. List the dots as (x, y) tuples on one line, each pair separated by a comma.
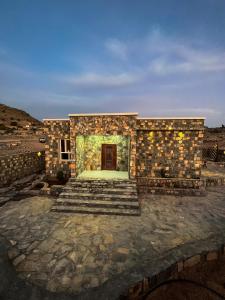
[(151, 136), (180, 136)]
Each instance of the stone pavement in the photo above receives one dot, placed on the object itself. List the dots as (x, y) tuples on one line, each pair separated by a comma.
[(75, 253)]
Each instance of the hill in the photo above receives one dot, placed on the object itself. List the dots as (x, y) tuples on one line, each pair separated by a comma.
[(13, 120), (215, 135)]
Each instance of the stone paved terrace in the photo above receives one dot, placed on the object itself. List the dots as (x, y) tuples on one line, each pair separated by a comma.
[(76, 253)]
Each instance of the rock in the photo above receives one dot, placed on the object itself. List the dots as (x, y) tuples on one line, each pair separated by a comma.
[(212, 256), (108, 239), (190, 262), (52, 285), (123, 251), (52, 263), (32, 246), (77, 280), (102, 247), (13, 243), (18, 260), (94, 282), (13, 252), (63, 265), (73, 256), (97, 240), (67, 224), (66, 281)]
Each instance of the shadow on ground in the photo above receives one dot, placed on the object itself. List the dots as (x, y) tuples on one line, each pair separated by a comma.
[(12, 287)]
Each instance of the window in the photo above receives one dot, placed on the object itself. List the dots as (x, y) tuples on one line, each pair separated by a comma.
[(65, 153)]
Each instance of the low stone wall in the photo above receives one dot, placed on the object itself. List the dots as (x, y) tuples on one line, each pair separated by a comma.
[(141, 289), (17, 166), (214, 181), (171, 186)]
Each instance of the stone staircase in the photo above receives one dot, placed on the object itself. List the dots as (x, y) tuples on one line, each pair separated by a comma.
[(93, 196)]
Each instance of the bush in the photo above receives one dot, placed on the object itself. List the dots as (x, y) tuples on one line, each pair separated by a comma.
[(60, 176), (13, 123), (3, 127)]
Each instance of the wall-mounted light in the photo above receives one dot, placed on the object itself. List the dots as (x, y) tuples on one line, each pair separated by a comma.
[(151, 136)]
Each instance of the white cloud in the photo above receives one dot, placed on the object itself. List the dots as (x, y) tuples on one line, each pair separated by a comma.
[(174, 56), (94, 80), (117, 48)]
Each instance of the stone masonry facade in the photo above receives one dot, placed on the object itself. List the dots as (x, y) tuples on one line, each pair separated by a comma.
[(157, 148)]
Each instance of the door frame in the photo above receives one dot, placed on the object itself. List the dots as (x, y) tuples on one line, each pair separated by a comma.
[(115, 158)]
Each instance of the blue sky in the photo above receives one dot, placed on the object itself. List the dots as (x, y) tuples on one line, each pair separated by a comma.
[(158, 58)]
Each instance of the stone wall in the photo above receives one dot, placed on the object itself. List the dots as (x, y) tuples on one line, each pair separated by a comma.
[(17, 166), (123, 125), (88, 151), (56, 130), (169, 148), (184, 270)]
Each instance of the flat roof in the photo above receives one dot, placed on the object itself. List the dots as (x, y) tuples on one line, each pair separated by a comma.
[(126, 114), (56, 119), (171, 118), (104, 114)]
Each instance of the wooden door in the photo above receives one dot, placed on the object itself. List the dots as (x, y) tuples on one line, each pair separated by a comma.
[(109, 156)]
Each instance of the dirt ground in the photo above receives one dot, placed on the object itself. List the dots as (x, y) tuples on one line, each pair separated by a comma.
[(14, 145)]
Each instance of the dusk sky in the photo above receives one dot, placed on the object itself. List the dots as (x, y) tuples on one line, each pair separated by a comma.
[(158, 58)]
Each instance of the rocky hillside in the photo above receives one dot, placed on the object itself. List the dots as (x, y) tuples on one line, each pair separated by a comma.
[(215, 135), (13, 120)]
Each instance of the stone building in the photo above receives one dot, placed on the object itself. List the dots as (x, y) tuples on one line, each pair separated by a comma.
[(156, 152)]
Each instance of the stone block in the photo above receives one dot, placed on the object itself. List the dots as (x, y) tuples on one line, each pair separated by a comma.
[(213, 255), (192, 261)]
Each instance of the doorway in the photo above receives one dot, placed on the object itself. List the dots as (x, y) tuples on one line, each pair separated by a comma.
[(109, 156)]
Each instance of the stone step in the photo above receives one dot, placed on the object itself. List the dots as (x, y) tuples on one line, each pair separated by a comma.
[(98, 203), (105, 190), (91, 180), (97, 196), (114, 197), (96, 210), (103, 186), (102, 183)]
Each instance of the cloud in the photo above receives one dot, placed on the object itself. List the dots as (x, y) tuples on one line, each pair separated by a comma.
[(94, 80), (176, 56), (157, 75), (117, 48)]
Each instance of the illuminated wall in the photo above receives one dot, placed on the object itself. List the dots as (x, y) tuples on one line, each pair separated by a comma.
[(88, 151)]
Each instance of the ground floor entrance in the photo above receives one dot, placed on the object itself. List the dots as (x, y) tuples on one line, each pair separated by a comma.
[(102, 156)]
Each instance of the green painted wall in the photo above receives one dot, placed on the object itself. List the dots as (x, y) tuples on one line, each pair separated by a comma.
[(88, 151)]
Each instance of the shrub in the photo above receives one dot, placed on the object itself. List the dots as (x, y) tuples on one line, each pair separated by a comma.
[(60, 176), (3, 127), (13, 123)]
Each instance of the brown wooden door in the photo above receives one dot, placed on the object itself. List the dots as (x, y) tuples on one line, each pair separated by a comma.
[(109, 152)]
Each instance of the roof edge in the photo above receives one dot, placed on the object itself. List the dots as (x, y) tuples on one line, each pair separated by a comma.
[(172, 118), (104, 114), (55, 119)]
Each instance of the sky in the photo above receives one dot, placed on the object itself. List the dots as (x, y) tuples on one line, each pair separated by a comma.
[(155, 57)]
